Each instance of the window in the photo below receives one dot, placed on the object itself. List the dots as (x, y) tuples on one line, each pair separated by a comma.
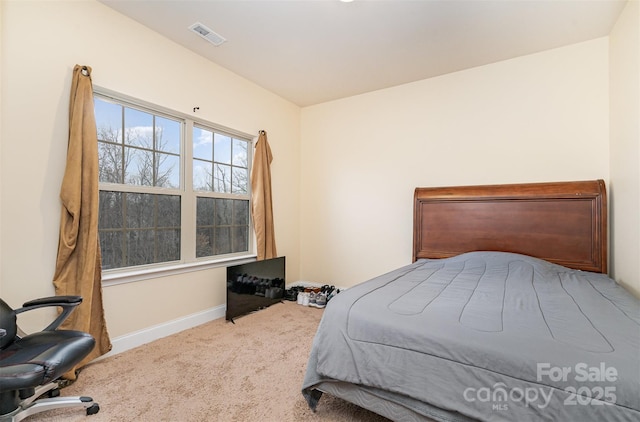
[(150, 212), (220, 165)]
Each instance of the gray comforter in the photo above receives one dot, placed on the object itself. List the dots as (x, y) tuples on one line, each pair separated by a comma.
[(487, 335)]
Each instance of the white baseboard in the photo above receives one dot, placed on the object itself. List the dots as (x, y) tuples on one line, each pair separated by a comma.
[(147, 335)]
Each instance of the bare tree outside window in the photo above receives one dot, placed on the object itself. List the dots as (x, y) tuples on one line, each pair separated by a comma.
[(137, 156), (137, 228), (220, 165)]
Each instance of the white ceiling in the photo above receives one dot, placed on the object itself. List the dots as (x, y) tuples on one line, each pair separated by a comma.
[(312, 51)]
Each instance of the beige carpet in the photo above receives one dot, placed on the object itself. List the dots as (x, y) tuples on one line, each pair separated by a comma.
[(248, 371)]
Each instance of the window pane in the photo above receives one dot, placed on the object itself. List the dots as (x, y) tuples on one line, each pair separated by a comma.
[(111, 247), (139, 170), (168, 211), (140, 247), (167, 135), (204, 211), (241, 213), (240, 175), (229, 171), (138, 129), (202, 175), (167, 171), (224, 212), (222, 226), (110, 159), (222, 149), (148, 230), (202, 144), (168, 245), (204, 242), (240, 239), (222, 178), (108, 120), (110, 214), (222, 240), (140, 210), (240, 153), (239, 180)]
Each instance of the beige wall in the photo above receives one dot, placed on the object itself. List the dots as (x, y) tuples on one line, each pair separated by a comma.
[(542, 117), (42, 41), (624, 191)]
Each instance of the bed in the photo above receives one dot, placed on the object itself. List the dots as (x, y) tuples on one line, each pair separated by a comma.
[(505, 313)]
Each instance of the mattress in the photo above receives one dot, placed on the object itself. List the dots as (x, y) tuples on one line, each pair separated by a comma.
[(487, 336)]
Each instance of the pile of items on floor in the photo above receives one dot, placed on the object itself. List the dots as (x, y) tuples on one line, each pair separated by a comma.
[(316, 297), (271, 288)]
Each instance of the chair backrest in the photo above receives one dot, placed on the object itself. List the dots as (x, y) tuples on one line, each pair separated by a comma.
[(7, 323)]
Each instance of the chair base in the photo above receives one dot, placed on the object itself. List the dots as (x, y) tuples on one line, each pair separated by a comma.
[(32, 405)]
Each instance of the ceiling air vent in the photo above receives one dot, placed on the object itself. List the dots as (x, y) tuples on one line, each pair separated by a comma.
[(207, 34)]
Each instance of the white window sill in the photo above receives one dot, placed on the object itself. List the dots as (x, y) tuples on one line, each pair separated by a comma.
[(115, 277)]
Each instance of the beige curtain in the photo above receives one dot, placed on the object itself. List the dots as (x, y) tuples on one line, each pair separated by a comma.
[(262, 209), (78, 264)]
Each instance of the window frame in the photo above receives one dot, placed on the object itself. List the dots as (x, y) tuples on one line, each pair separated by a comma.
[(188, 261)]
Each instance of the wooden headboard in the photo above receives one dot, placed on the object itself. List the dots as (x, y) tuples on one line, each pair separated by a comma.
[(563, 222)]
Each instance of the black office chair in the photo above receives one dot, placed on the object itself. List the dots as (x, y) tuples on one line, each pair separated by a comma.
[(31, 365)]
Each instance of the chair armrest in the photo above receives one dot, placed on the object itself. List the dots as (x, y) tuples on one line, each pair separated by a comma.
[(52, 301), (67, 303)]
